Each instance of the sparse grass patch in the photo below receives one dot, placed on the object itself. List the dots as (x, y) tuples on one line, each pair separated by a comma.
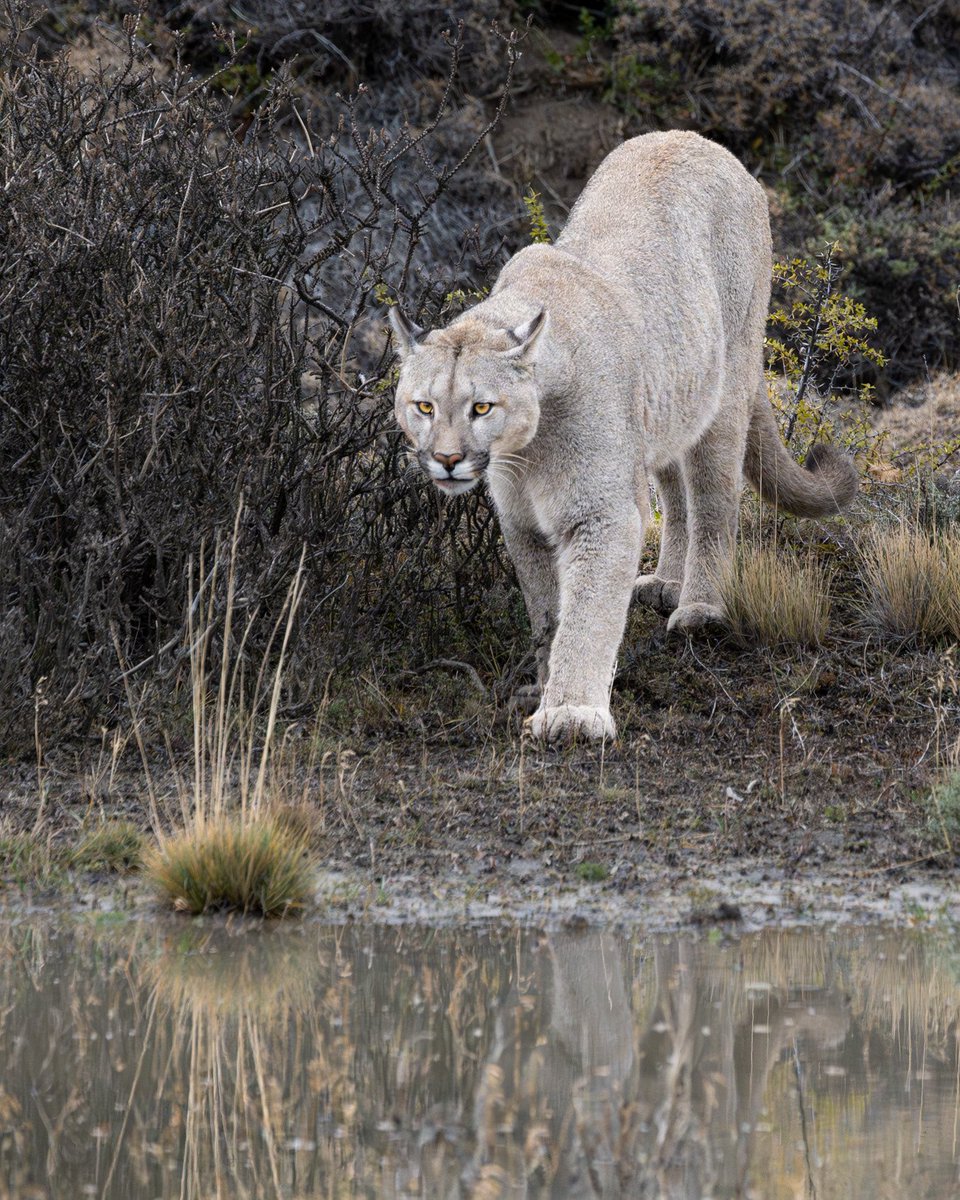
[(592, 872), (773, 595), (253, 866), (943, 823), (26, 857), (110, 846)]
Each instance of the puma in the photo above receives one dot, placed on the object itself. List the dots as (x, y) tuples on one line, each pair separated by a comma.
[(629, 351)]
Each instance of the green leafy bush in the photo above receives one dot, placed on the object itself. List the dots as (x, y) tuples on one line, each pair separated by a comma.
[(820, 340)]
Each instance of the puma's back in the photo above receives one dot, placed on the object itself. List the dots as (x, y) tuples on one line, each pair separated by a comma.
[(672, 215)]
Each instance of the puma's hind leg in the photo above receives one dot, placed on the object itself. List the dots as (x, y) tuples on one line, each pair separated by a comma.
[(661, 591), (713, 474)]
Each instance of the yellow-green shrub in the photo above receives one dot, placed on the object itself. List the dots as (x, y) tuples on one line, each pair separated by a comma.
[(253, 866)]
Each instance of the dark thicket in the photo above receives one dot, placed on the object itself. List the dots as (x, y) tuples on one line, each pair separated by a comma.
[(847, 107), (191, 317)]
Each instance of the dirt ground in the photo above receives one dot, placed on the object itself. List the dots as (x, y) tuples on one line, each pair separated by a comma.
[(754, 786), (926, 415)]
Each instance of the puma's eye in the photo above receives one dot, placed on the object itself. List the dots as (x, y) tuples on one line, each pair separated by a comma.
[(425, 407), (481, 410)]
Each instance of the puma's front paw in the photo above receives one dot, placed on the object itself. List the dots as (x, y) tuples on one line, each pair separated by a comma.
[(697, 618), (567, 722), (662, 595)]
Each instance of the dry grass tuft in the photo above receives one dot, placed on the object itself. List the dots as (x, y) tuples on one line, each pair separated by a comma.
[(944, 812), (774, 596), (253, 866), (26, 857), (233, 851), (912, 579)]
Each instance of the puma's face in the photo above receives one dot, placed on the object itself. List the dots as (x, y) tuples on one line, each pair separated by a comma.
[(467, 399)]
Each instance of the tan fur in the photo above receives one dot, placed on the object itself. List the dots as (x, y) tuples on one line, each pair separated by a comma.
[(631, 348)]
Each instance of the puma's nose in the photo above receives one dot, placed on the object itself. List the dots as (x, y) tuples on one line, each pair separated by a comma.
[(448, 460)]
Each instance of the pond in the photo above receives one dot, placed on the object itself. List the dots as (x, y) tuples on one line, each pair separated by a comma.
[(161, 1059)]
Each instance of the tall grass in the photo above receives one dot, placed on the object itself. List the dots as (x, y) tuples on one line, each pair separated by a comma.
[(231, 850), (231, 752), (774, 596)]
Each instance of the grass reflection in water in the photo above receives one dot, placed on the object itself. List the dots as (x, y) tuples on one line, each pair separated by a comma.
[(237, 1061)]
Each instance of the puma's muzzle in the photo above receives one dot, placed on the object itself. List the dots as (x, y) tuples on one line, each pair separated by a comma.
[(454, 473)]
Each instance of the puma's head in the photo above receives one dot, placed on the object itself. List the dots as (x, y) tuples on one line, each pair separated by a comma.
[(467, 398)]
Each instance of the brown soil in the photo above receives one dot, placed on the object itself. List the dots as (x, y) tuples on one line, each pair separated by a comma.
[(555, 145)]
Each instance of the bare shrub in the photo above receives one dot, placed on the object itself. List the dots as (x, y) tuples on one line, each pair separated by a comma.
[(774, 596), (346, 40), (168, 282)]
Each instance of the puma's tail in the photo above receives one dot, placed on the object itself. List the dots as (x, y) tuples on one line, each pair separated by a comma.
[(825, 484)]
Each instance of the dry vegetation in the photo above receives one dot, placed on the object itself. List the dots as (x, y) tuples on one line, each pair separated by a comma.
[(912, 579), (198, 237), (772, 596), (253, 867), (191, 322)]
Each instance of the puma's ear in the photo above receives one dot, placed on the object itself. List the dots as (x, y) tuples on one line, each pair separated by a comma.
[(527, 336), (406, 334)]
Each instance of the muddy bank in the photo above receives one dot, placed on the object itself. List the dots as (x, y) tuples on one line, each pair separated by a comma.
[(741, 897), (730, 898)]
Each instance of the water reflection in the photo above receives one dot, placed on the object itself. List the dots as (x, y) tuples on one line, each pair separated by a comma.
[(166, 1061)]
